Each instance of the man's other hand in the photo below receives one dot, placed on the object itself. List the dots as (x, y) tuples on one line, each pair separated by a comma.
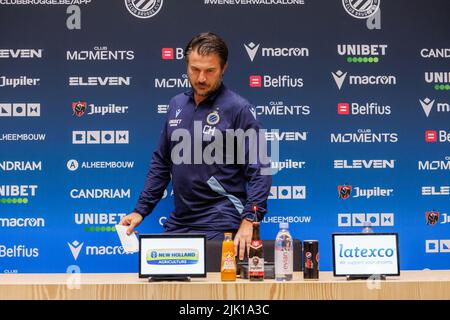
[(132, 220), (243, 238)]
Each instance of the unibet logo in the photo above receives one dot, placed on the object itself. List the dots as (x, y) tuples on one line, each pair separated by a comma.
[(359, 219), (362, 53), (440, 80), (20, 109)]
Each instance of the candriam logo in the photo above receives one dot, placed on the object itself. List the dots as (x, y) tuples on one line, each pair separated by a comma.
[(17, 194), (364, 80), (143, 8), (100, 53), (279, 108), (100, 193), (364, 164), (435, 53), (20, 110), (435, 165), (22, 222), (253, 49), (20, 166), (100, 81), (364, 136), (21, 53)]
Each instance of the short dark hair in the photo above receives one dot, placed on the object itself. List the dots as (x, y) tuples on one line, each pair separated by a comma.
[(206, 43)]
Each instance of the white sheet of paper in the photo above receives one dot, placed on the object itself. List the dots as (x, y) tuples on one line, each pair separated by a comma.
[(130, 243)]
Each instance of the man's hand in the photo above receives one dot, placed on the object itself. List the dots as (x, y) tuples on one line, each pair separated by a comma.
[(243, 238), (132, 220)]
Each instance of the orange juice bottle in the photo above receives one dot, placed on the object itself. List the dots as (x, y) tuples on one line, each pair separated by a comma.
[(228, 268)]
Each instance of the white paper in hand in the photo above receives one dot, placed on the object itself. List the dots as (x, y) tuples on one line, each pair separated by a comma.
[(130, 243)]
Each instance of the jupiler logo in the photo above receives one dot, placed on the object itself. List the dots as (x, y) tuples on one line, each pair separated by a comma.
[(144, 8)]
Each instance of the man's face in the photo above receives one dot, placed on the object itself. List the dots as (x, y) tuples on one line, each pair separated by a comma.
[(204, 72)]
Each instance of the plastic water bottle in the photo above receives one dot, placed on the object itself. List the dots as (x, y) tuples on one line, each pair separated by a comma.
[(284, 254), (367, 227)]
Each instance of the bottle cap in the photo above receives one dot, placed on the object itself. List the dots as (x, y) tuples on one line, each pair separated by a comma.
[(284, 225)]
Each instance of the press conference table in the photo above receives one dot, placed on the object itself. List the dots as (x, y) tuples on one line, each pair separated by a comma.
[(410, 285)]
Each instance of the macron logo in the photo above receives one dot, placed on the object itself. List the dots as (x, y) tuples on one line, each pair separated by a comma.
[(75, 248), (252, 49), (339, 78), (427, 105)]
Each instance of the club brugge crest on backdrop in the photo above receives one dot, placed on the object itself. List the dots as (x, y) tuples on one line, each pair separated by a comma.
[(213, 118), (79, 108), (344, 191), (361, 9), (143, 8), (432, 217)]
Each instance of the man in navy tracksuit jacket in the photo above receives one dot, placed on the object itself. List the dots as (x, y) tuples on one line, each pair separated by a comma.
[(209, 198)]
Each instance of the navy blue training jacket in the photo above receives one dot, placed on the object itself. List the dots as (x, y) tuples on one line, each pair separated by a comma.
[(207, 196)]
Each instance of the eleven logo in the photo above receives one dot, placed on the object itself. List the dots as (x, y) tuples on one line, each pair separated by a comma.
[(20, 109), (100, 137), (75, 247), (339, 78), (358, 219), (437, 246)]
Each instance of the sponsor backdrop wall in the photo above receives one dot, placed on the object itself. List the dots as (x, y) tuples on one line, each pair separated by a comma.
[(359, 91)]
